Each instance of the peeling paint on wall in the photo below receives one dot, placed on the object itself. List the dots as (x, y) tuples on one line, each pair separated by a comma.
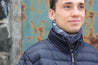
[(39, 30), (23, 7), (91, 38)]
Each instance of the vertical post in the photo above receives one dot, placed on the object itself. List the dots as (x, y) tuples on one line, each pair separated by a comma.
[(16, 31)]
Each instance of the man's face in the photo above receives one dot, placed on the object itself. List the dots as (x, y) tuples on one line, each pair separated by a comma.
[(69, 15)]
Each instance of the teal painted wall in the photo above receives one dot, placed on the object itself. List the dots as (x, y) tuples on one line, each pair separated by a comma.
[(36, 23)]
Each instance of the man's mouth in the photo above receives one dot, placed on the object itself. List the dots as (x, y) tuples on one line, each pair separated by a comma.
[(74, 21)]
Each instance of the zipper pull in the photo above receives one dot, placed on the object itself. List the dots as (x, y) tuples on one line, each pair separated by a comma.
[(72, 54), (72, 58)]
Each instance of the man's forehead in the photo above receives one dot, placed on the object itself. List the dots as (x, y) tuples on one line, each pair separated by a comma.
[(71, 1)]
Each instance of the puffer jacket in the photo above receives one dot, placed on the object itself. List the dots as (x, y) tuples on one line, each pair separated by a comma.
[(55, 50)]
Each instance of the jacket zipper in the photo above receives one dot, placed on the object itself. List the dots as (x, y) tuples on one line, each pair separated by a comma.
[(72, 57), (72, 54)]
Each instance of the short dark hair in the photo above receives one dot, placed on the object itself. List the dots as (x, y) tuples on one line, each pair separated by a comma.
[(53, 4)]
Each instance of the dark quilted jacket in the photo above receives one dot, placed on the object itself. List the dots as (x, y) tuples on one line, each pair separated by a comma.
[(56, 51)]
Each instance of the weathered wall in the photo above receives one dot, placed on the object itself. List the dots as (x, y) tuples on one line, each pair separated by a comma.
[(15, 30), (36, 24), (91, 23), (4, 34), (11, 33)]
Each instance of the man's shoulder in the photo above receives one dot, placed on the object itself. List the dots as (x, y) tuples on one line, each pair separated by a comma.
[(43, 44), (88, 47), (33, 53)]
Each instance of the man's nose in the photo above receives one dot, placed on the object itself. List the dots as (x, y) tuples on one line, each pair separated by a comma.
[(75, 12)]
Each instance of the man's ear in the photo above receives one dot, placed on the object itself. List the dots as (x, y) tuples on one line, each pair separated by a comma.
[(51, 14)]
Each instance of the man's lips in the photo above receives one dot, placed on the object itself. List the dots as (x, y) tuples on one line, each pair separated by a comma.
[(74, 21)]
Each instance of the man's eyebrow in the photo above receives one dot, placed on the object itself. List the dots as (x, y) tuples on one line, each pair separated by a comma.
[(67, 3), (72, 3), (81, 3)]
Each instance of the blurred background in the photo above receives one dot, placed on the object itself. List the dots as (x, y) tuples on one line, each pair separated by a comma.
[(25, 22)]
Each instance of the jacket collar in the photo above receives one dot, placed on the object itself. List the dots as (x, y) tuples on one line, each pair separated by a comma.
[(60, 42), (70, 38)]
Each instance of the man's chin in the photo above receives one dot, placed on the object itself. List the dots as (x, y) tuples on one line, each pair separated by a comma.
[(72, 31)]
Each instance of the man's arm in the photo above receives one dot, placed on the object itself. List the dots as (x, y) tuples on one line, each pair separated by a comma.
[(24, 60)]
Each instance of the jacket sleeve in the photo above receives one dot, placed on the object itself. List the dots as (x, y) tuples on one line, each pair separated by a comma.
[(24, 60)]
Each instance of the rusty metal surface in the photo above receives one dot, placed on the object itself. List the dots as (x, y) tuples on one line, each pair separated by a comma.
[(91, 23), (36, 24)]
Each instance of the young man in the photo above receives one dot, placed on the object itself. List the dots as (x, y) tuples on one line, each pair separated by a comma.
[(64, 45)]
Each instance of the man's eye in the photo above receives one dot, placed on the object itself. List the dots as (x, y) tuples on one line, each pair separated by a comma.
[(81, 7), (67, 7)]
